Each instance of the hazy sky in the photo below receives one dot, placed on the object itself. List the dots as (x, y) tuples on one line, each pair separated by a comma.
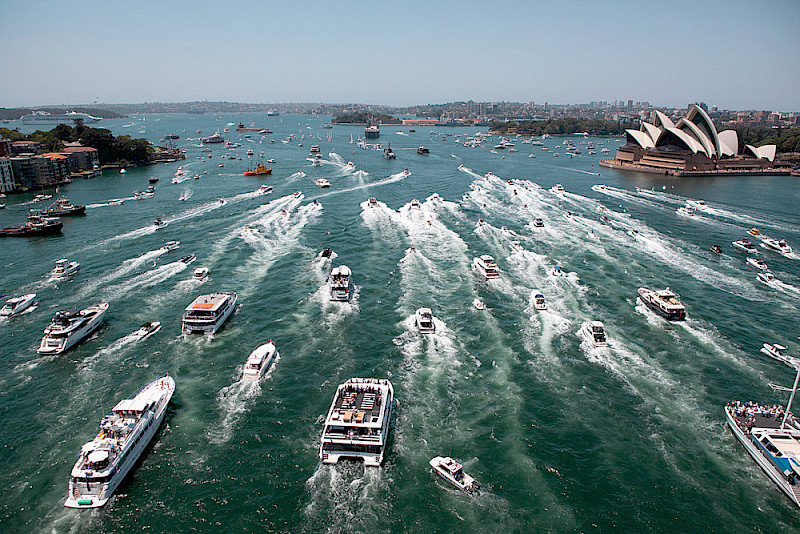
[(736, 54)]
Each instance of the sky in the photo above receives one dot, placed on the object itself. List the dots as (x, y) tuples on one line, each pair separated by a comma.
[(733, 54)]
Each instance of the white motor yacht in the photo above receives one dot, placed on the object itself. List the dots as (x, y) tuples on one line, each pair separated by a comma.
[(159, 224), (124, 434), (664, 302), (372, 202), (259, 361), (425, 321), (744, 245), (65, 268), (594, 332), (478, 303), (453, 472), (200, 273), (558, 189), (171, 245), (757, 264), (207, 313), (322, 182), (189, 258), (778, 352), (68, 328), (148, 329), (486, 266), (16, 305), (538, 222), (766, 277), (686, 211), (415, 204), (358, 422), (777, 245), (264, 189), (538, 300), (339, 283)]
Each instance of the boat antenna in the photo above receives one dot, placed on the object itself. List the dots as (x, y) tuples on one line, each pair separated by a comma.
[(791, 398)]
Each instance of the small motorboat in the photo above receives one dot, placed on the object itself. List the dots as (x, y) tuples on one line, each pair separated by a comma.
[(171, 245), (147, 329), (594, 332), (766, 277), (200, 273), (686, 211), (64, 268), (716, 249), (453, 472), (322, 183), (16, 305), (754, 231), (425, 321), (486, 266), (297, 194), (259, 361), (159, 223), (153, 179), (188, 259), (516, 246), (538, 222), (757, 264), (478, 303), (744, 245), (326, 253), (264, 189), (372, 202), (558, 189), (777, 352), (538, 300), (557, 271), (415, 204)]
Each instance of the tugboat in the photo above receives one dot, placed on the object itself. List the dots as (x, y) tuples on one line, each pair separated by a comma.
[(388, 153), (62, 207), (35, 225), (260, 170)]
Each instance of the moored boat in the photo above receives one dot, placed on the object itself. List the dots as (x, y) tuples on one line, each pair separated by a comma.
[(425, 322), (124, 434), (68, 328), (16, 305), (207, 313), (259, 361), (453, 472), (664, 302), (358, 422)]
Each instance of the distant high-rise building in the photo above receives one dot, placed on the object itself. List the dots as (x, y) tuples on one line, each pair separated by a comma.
[(630, 105)]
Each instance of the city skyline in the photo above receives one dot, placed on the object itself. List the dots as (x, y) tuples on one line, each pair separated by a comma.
[(575, 52)]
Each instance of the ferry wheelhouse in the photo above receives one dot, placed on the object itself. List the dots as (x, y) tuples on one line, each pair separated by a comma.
[(105, 461), (358, 422), (207, 313)]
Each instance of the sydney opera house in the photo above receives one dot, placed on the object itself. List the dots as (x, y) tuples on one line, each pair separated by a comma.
[(689, 146)]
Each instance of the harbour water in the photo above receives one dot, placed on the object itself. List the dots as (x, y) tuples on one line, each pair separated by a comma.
[(563, 437)]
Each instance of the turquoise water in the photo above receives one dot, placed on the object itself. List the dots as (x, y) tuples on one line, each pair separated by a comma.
[(563, 437)]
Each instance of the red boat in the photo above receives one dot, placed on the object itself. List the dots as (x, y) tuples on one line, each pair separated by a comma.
[(36, 225), (260, 170)]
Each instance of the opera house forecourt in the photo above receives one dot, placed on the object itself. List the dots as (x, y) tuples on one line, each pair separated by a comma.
[(690, 147)]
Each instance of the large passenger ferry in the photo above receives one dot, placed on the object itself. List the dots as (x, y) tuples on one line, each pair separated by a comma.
[(123, 435), (207, 313), (68, 328), (357, 424)]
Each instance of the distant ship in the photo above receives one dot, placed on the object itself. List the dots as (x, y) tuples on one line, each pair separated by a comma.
[(44, 117), (373, 131), (273, 113)]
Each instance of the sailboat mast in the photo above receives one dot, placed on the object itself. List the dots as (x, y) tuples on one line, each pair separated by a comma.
[(791, 398)]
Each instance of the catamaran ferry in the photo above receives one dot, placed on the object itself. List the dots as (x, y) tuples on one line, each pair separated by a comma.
[(207, 313), (123, 435), (357, 425)]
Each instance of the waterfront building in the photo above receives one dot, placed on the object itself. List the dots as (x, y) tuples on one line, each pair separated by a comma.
[(692, 144), (86, 157), (25, 147), (33, 172), (6, 175)]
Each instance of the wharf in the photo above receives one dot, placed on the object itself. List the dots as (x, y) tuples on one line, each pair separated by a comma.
[(621, 165)]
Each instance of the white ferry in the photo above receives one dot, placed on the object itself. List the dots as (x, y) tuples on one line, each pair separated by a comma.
[(68, 328), (357, 424), (259, 361), (453, 472), (124, 434), (207, 313), (44, 117), (594, 332), (771, 436), (664, 302), (486, 265), (65, 268), (16, 305), (425, 321), (339, 282)]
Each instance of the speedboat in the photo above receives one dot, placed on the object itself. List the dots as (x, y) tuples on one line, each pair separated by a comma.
[(538, 222), (326, 253), (372, 202), (322, 182), (259, 361), (264, 189), (147, 329), (425, 321), (171, 245), (516, 246), (124, 434), (453, 472), (16, 305), (696, 204), (478, 303), (557, 189), (557, 271), (757, 264), (64, 268), (754, 231), (777, 245), (189, 258), (664, 302), (744, 245), (423, 150), (486, 265), (686, 211), (538, 300), (777, 352), (358, 422), (594, 332), (716, 249), (68, 328), (207, 313), (599, 188), (415, 204), (160, 224), (765, 277), (200, 273), (339, 283)]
